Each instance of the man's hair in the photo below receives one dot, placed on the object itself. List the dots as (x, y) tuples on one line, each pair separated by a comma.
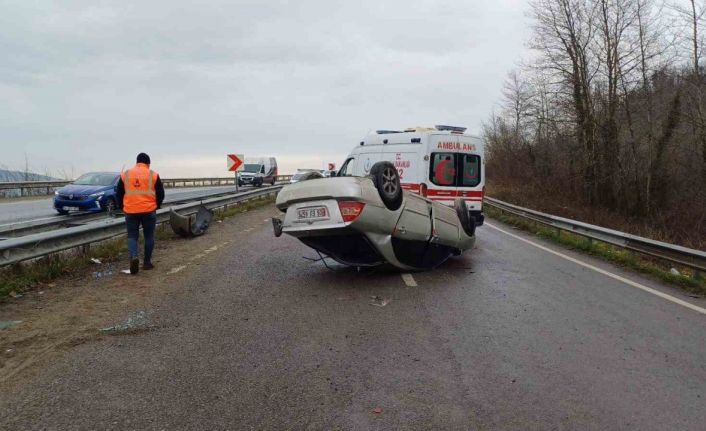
[(143, 158)]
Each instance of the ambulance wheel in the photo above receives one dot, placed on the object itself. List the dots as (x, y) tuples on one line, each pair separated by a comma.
[(468, 225), (387, 181)]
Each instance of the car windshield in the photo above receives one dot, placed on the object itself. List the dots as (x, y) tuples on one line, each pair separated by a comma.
[(252, 167), (96, 179)]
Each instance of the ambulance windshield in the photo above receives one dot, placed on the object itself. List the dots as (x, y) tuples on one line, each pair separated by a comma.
[(251, 167)]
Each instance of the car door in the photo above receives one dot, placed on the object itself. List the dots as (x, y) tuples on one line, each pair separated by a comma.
[(410, 239), (444, 235)]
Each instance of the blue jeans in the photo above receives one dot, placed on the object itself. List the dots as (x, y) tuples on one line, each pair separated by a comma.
[(133, 222)]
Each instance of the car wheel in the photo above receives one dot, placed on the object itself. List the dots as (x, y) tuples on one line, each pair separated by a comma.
[(110, 206), (387, 181), (468, 225)]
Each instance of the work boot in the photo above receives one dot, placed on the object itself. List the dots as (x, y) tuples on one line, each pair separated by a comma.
[(147, 266), (134, 265)]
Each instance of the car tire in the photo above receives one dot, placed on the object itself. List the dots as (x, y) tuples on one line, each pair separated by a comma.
[(468, 225), (110, 206), (387, 181)]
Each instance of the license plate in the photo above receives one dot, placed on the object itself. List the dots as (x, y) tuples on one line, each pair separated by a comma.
[(70, 208), (312, 213)]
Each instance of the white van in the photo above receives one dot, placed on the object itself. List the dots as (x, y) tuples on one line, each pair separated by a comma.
[(441, 163), (258, 171)]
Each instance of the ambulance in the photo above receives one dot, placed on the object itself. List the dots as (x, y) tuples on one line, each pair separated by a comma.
[(441, 163)]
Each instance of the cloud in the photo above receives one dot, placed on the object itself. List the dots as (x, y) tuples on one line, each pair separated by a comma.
[(91, 84)]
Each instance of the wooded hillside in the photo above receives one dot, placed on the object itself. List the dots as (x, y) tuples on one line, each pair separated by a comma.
[(607, 121)]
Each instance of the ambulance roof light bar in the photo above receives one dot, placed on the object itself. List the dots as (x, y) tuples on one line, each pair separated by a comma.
[(452, 129), (386, 132)]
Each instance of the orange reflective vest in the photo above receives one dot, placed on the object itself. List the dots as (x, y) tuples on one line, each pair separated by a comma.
[(140, 195)]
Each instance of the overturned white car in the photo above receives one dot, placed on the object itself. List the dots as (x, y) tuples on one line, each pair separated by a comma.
[(367, 221)]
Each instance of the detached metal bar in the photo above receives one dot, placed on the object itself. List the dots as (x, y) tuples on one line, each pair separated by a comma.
[(691, 258)]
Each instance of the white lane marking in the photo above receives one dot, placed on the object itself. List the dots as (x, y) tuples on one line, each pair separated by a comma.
[(409, 280), (176, 269), (604, 272)]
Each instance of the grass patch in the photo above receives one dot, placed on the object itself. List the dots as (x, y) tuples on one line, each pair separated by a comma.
[(243, 207), (625, 258), (19, 278)]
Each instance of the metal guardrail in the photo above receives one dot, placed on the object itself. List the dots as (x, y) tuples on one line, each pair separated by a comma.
[(691, 258), (196, 182), (15, 250), (167, 182), (12, 185), (27, 227)]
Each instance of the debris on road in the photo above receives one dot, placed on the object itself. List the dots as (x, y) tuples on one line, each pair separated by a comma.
[(96, 261), (379, 301), (100, 274), (4, 324), (674, 271), (125, 271), (15, 294), (377, 410), (188, 226), (134, 322)]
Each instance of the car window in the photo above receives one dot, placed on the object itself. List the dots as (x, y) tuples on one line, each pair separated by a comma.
[(471, 170), (96, 179), (443, 169), (343, 172)]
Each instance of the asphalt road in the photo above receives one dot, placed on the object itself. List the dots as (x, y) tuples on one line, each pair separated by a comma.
[(13, 211), (507, 337)]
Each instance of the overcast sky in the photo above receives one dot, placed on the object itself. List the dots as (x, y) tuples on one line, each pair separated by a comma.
[(87, 85)]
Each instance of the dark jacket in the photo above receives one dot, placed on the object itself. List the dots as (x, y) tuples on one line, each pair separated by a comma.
[(158, 188)]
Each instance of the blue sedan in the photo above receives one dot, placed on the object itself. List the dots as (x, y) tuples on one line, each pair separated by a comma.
[(92, 192)]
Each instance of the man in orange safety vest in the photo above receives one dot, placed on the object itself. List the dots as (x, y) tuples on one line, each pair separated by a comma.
[(140, 193)]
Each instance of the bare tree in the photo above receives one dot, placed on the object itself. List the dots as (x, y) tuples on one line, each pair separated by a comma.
[(565, 33)]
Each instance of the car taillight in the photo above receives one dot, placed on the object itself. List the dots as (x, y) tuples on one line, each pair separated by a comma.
[(423, 189), (350, 210)]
